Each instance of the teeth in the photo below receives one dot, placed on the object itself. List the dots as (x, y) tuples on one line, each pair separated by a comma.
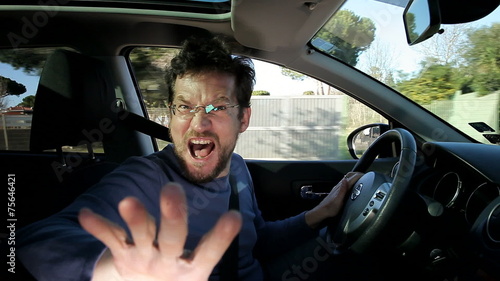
[(201, 142)]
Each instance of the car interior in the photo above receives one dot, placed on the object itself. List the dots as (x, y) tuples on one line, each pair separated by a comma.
[(436, 190)]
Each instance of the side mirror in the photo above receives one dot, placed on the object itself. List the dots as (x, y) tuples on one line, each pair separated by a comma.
[(360, 139), (422, 20)]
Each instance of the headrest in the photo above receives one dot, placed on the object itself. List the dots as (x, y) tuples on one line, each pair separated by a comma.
[(75, 96)]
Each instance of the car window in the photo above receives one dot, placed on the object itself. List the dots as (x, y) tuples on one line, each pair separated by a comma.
[(294, 117), (20, 71)]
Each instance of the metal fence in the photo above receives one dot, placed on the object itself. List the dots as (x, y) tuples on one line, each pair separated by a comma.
[(304, 127), (465, 108), (15, 132)]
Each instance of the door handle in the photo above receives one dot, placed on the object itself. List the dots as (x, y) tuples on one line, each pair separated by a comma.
[(306, 192)]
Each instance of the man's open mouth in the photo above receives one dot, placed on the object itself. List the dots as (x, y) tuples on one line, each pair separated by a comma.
[(200, 148)]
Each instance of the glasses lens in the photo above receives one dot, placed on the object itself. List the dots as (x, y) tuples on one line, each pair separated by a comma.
[(188, 112)]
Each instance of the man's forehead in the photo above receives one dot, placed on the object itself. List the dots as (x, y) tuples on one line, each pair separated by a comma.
[(219, 98), (206, 74), (216, 86)]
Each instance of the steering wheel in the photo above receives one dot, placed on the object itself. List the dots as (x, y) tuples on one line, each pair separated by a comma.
[(375, 197)]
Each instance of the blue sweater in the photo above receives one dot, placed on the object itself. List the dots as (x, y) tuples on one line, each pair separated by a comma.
[(57, 248)]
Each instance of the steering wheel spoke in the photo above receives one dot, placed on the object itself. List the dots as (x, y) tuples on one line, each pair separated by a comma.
[(372, 208)]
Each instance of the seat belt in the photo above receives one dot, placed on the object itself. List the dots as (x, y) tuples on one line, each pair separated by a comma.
[(229, 261), (144, 125)]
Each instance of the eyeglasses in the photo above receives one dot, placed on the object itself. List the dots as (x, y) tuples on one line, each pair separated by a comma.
[(187, 112)]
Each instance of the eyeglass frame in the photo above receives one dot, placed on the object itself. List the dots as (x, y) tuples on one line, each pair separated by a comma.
[(192, 112)]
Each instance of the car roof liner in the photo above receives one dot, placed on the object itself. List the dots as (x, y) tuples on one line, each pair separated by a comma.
[(462, 11)]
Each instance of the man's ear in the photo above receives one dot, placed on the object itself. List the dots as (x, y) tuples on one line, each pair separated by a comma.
[(245, 119)]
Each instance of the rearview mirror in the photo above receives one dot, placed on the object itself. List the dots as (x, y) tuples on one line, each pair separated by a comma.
[(422, 19)]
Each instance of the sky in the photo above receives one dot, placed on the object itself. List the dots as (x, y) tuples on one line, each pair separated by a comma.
[(29, 81), (269, 78)]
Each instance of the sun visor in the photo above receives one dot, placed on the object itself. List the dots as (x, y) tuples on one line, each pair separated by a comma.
[(270, 24)]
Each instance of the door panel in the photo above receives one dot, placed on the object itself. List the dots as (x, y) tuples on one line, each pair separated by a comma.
[(278, 183)]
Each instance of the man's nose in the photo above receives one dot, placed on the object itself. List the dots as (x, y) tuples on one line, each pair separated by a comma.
[(201, 121)]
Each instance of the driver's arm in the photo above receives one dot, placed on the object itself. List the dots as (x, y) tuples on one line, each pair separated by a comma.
[(148, 256)]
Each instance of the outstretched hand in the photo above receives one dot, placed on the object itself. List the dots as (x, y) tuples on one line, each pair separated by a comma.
[(145, 257)]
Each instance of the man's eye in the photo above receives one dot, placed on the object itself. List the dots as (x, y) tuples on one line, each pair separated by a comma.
[(221, 107), (183, 107)]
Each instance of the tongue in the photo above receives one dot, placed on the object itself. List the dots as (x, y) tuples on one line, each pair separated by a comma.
[(201, 150)]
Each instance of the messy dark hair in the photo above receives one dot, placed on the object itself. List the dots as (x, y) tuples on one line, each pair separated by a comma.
[(199, 55)]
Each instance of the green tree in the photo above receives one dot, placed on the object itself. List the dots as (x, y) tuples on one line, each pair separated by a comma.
[(483, 59), (10, 87), (349, 35), (29, 60), (28, 101), (260, 93), (435, 82), (411, 26), (346, 36), (149, 65)]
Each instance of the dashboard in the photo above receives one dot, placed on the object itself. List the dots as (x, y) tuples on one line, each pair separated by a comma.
[(463, 179)]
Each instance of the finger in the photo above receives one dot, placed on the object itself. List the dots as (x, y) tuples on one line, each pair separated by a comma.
[(173, 226), (214, 244), (353, 177), (113, 236), (140, 223)]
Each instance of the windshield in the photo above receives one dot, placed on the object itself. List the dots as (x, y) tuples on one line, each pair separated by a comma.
[(455, 74)]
